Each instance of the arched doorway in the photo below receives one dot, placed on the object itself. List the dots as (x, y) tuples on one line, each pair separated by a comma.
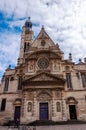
[(72, 103), (44, 100)]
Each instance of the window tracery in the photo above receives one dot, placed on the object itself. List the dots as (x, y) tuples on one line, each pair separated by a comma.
[(43, 63)]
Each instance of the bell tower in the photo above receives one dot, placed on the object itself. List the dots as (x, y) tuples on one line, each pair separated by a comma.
[(26, 39)]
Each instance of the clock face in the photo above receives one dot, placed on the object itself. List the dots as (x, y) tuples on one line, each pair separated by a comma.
[(43, 63)]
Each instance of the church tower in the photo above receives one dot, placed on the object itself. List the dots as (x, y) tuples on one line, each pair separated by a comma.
[(26, 39)]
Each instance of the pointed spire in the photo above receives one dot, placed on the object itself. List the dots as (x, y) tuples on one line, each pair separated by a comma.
[(42, 31)]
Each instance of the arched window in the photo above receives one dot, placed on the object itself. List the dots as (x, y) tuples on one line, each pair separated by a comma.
[(58, 107), (20, 83), (69, 82), (29, 106), (6, 84), (3, 104), (24, 46), (83, 76)]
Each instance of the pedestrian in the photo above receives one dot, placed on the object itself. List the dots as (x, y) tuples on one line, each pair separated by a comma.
[(17, 123), (9, 128)]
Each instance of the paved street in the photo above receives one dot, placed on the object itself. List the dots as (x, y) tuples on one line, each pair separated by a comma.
[(56, 127)]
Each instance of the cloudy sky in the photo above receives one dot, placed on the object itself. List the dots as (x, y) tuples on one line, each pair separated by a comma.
[(64, 21)]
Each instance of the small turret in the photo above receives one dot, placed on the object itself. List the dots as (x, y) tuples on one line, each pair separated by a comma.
[(26, 39), (28, 25), (70, 56)]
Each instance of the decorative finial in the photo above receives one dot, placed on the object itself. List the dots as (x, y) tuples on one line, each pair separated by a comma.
[(85, 59), (57, 45), (80, 60), (42, 26), (9, 66), (29, 18)]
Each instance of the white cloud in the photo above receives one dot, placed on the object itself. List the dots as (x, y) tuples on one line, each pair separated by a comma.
[(9, 50), (64, 20)]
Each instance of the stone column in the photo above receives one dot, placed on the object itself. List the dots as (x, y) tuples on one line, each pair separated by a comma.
[(63, 104), (53, 104), (24, 106), (34, 104)]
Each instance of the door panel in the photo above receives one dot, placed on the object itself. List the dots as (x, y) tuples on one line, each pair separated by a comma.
[(43, 111), (17, 113), (72, 111)]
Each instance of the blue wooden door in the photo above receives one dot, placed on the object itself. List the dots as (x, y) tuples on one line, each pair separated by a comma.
[(43, 111), (17, 113)]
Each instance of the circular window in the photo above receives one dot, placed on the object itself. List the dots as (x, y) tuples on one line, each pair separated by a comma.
[(43, 63), (43, 42)]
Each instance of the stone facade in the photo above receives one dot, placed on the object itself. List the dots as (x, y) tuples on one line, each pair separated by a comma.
[(43, 85)]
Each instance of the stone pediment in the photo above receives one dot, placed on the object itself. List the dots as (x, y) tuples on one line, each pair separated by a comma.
[(45, 77), (43, 40)]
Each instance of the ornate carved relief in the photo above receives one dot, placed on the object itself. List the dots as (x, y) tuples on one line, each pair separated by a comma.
[(58, 94), (44, 77), (31, 66), (29, 95), (44, 96), (71, 100), (17, 102), (55, 65)]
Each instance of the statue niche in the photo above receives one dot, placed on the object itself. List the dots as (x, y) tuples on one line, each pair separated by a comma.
[(29, 106), (55, 66), (31, 66)]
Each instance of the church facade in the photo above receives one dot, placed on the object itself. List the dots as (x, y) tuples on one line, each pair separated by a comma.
[(43, 85)]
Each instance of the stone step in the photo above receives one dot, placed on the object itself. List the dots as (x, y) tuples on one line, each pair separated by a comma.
[(49, 122)]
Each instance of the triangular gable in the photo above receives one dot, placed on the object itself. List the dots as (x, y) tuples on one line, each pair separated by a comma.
[(43, 76), (43, 36)]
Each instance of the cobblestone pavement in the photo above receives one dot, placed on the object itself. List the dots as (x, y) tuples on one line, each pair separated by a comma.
[(56, 127)]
